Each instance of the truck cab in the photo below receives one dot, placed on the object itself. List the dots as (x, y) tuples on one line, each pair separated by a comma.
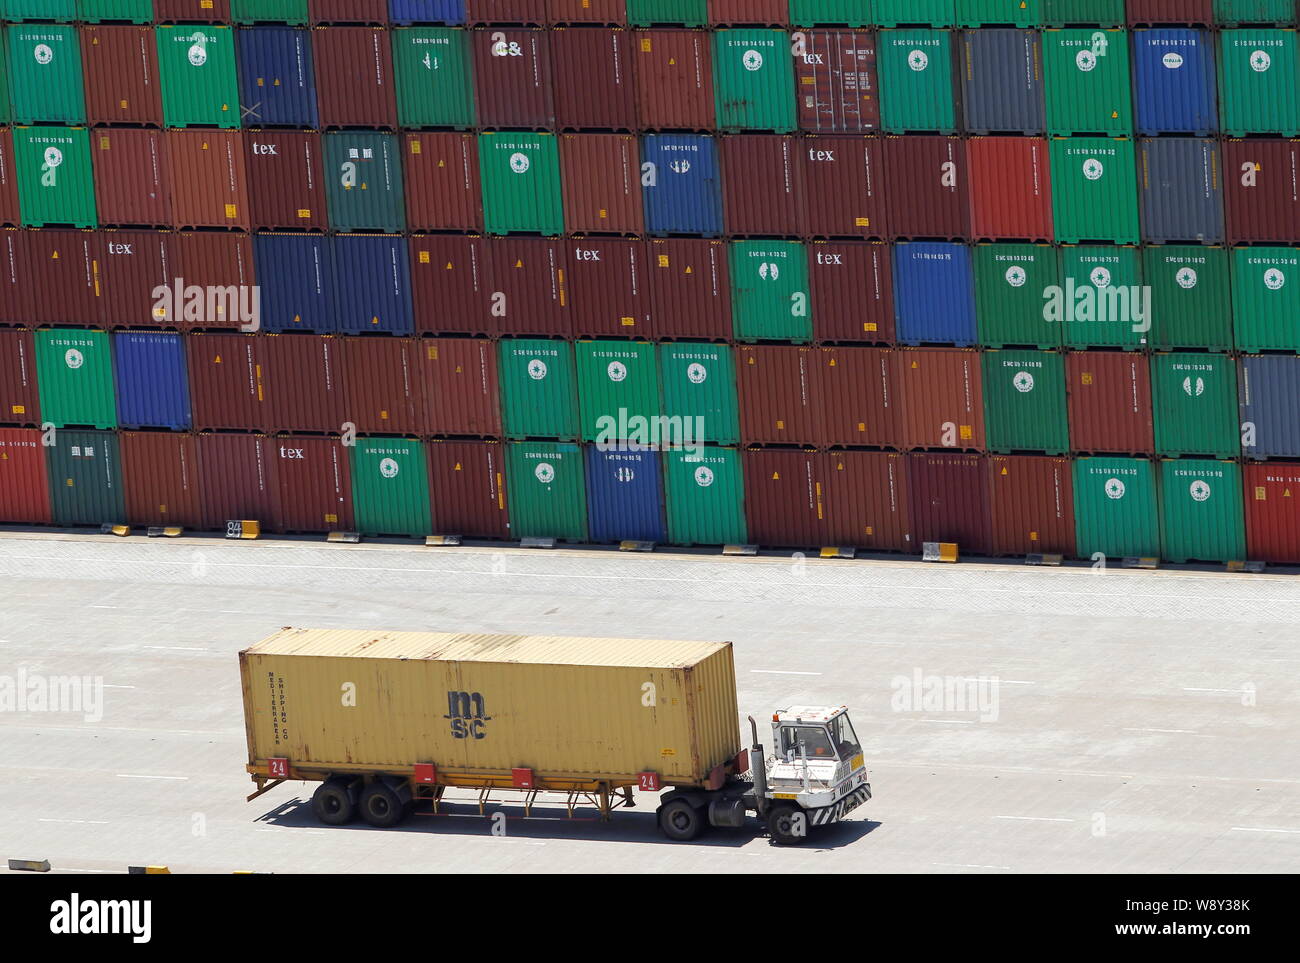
[(816, 771)]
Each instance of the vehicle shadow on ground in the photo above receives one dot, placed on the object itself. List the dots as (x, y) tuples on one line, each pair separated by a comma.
[(638, 825)]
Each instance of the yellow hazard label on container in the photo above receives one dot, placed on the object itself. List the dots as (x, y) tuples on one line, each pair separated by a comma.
[(232, 211), (1087, 378), (1261, 494), (967, 431), (304, 212), (415, 146), (668, 752)]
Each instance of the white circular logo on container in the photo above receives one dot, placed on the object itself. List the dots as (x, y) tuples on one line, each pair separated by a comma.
[(545, 472), (1115, 488), (1016, 276), (918, 60), (704, 476), (1093, 169), (1085, 60), (753, 60), (1260, 61), (198, 51), (1172, 60), (1200, 490), (1274, 279), (768, 271), (616, 370), (53, 157), (519, 163), (537, 369), (697, 373), (389, 468), (43, 53), (1186, 278), (1194, 389), (73, 358), (1100, 277), (1023, 381)]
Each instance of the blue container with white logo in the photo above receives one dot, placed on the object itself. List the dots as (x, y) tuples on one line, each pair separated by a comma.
[(934, 294), (625, 495), (426, 11), (296, 279), (277, 87), (681, 184), (1174, 80), (152, 386), (372, 284)]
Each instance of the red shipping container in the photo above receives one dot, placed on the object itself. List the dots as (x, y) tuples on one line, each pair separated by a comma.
[(784, 500), (443, 192), (942, 398), (505, 11), (121, 75), (844, 186), (286, 180), (690, 289), (1261, 187), (304, 384), (214, 189), (354, 77), (459, 380), (527, 287), (767, 13), (852, 291), (601, 179), (866, 500), (1272, 496), (608, 289), (593, 79), (1031, 505), (1146, 13), (209, 261), (1011, 192), (313, 482), (776, 387), (762, 185), (347, 11), (928, 193), (673, 71), (467, 485), (64, 269), (835, 77), (132, 178), (191, 11), (161, 475), (17, 292), (512, 79), (449, 290), (587, 11), (383, 392), (1109, 400), (228, 374), (20, 403), (9, 213), (948, 501), (236, 480), (855, 388), (24, 485), (135, 266)]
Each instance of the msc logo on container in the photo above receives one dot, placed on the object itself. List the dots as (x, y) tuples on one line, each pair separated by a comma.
[(467, 714)]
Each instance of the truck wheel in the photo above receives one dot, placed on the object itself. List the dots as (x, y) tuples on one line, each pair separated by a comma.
[(783, 821), (680, 821), (380, 806), (332, 803)]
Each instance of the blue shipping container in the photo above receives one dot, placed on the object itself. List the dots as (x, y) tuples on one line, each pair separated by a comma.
[(152, 386), (1174, 80), (277, 87), (680, 181), (1180, 189), (625, 495), (297, 282), (1269, 388), (934, 293), (426, 11), (372, 284)]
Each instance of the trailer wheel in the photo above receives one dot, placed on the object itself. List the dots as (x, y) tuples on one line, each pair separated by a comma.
[(380, 806), (332, 803), (680, 821), (784, 823)]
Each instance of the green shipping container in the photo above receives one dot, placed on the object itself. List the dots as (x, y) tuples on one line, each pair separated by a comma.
[(6, 113), (1094, 190), (363, 182), (1104, 304), (86, 478), (55, 182), (769, 291), (97, 11), (268, 11), (916, 81), (62, 11), (618, 392), (1089, 13), (45, 80), (1115, 508), (934, 13), (434, 85), (846, 13), (1202, 516), (1024, 402), (1231, 12), (1088, 86), (753, 80), (1194, 397), (699, 387), (74, 373), (547, 490), (196, 67), (390, 487), (1017, 13), (1266, 298), (1259, 82), (539, 388), (1011, 284), (1191, 303), (520, 173), (705, 495), (688, 13)]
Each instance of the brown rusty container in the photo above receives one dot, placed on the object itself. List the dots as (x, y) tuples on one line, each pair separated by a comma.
[(776, 387), (237, 480), (286, 180), (17, 290), (948, 501), (304, 383), (313, 484), (527, 287), (1261, 187), (132, 177), (443, 192), (852, 291), (587, 11), (24, 482), (844, 186), (855, 388), (382, 391), (1109, 399), (1145, 13), (673, 70), (600, 176), (866, 500), (785, 504), (354, 77), (505, 11), (191, 11), (449, 292), (132, 265), (609, 293), (835, 81), (928, 193), (460, 386), (213, 260), (467, 484), (20, 403), (1031, 505), (10, 216), (762, 185), (1011, 192), (121, 75), (347, 11), (160, 474), (512, 79), (593, 79), (64, 268), (766, 13), (228, 375), (214, 189), (690, 289), (942, 398)]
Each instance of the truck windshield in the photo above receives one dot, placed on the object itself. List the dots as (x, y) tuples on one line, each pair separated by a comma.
[(846, 740), (816, 742)]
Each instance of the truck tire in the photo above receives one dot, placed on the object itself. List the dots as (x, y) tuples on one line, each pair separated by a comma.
[(680, 821), (781, 823), (332, 803), (380, 806)]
